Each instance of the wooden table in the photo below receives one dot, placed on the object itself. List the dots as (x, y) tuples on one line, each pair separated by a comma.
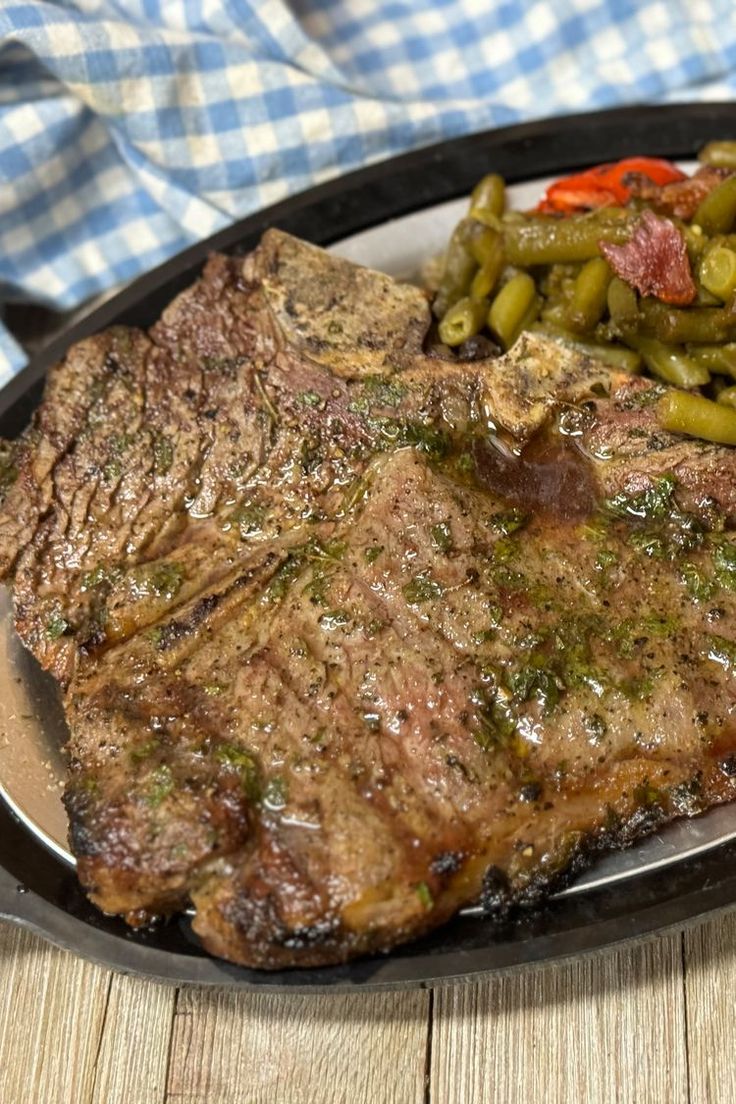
[(651, 1023)]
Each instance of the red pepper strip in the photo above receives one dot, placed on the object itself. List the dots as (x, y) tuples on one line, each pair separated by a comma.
[(605, 185)]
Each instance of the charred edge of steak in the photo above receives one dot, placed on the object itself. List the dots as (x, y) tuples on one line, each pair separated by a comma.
[(502, 903)]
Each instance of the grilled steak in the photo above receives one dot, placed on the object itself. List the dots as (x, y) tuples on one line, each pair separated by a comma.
[(349, 635)]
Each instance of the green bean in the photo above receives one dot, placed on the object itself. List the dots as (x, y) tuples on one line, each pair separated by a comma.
[(705, 298), (549, 241), (671, 365), (623, 305), (515, 305), (717, 212), (463, 320), (695, 240), (718, 272), (589, 294), (616, 355), (458, 271), (716, 358), (699, 325), (720, 154), (488, 197), (680, 412), (487, 276), (555, 313), (727, 397), (482, 241)]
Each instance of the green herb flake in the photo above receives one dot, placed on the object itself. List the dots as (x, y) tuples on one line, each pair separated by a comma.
[(384, 391), (649, 544), (214, 689), (94, 578), (605, 560), (56, 626), (283, 577), (697, 585), (724, 562), (424, 894), (654, 503), (442, 537), (160, 786), (144, 751), (371, 554), (536, 683), (244, 764), (505, 549), (646, 794), (311, 398), (421, 589), (722, 651), (275, 795), (248, 520), (163, 454), (166, 579), (155, 635), (508, 521)]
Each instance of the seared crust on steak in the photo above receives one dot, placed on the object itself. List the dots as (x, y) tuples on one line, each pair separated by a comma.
[(350, 637)]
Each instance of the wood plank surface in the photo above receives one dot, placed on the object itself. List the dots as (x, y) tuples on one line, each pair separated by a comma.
[(609, 1028), (53, 1010), (710, 994), (133, 1058), (233, 1048), (617, 1028)]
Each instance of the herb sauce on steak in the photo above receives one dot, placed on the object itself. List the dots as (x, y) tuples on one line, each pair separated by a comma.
[(350, 636)]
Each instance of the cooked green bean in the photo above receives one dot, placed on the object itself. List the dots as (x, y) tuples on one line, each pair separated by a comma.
[(487, 276), (705, 298), (680, 326), (554, 313), (681, 412), (720, 154), (589, 293), (671, 365), (695, 240), (623, 306), (515, 305), (463, 320), (717, 213), (727, 397), (628, 360), (716, 358), (549, 241), (488, 197), (718, 272), (482, 241), (458, 271)]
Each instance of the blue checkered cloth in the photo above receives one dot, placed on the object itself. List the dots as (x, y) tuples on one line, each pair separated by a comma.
[(131, 128)]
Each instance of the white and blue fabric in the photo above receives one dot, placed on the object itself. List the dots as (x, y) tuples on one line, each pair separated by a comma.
[(131, 128)]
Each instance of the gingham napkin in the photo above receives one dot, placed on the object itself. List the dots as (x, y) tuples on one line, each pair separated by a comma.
[(131, 128)]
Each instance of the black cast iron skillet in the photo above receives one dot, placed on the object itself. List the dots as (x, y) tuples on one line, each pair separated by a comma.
[(41, 892)]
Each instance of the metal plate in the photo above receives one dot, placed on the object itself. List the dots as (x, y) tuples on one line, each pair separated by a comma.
[(32, 728)]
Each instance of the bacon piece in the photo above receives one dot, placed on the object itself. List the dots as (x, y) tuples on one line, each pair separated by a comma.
[(680, 198), (654, 260)]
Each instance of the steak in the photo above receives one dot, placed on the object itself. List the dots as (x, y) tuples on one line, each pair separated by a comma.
[(350, 635)]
